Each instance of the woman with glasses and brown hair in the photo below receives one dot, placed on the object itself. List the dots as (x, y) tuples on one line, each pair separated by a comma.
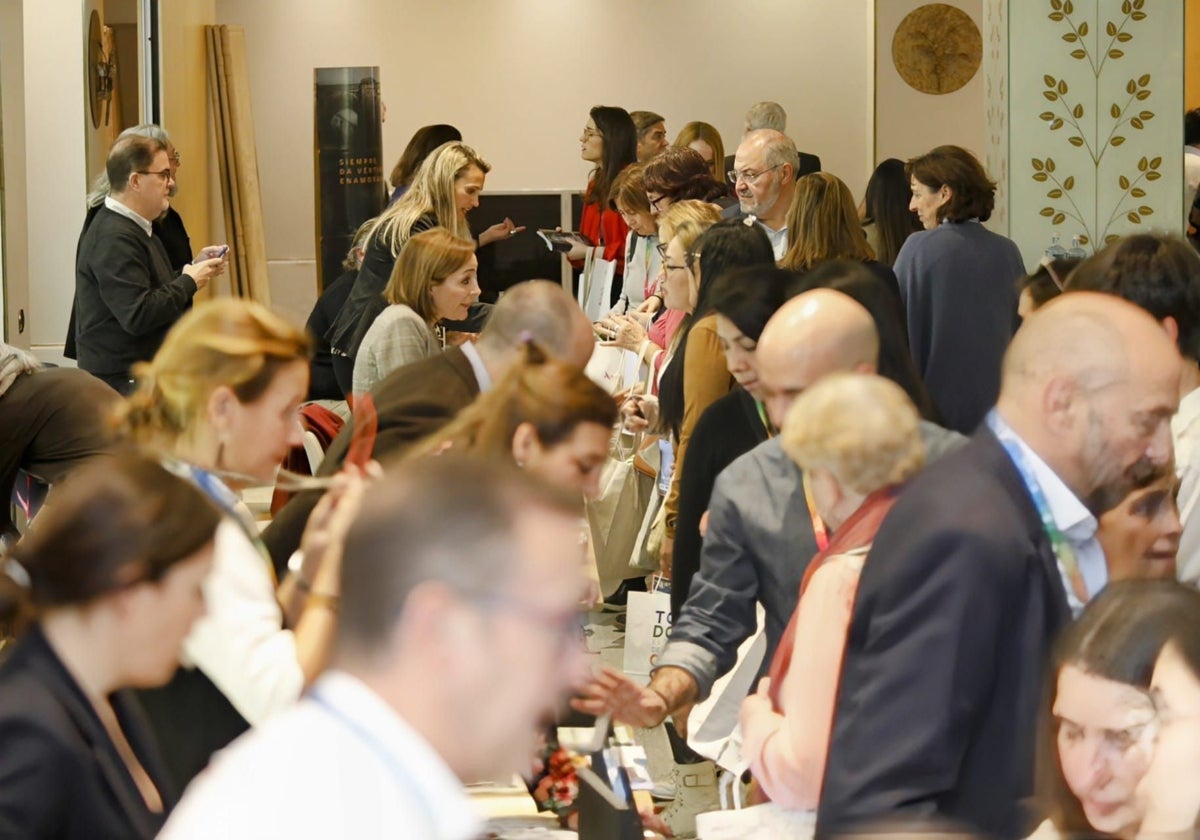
[(1101, 722), (220, 405), (100, 596)]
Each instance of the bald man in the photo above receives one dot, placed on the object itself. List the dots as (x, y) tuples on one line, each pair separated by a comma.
[(760, 537), (975, 569)]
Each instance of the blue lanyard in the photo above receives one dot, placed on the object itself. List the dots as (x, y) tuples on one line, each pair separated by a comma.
[(227, 501), (1059, 544), (399, 773)]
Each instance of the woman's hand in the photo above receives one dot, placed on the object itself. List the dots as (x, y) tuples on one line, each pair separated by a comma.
[(639, 412), (624, 331), (331, 518), (650, 306), (498, 231)]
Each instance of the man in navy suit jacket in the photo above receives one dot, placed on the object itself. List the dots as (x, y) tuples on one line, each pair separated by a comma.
[(976, 568)]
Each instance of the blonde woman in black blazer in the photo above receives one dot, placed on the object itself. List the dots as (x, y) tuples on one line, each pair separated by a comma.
[(107, 586)]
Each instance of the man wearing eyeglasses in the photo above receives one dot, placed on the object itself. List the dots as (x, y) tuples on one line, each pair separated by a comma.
[(126, 294), (764, 180), (458, 633)]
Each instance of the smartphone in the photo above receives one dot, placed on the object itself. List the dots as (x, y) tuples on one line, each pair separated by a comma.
[(212, 252)]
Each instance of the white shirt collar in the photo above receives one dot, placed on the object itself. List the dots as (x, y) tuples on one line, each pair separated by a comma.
[(117, 207), (1070, 515), (779, 238), (436, 785), (481, 374)]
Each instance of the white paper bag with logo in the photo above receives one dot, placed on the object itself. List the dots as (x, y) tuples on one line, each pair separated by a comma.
[(595, 284), (647, 627), (713, 725), (613, 368), (615, 515)]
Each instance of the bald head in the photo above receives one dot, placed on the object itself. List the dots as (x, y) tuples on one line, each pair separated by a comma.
[(1087, 337), (541, 311), (1090, 383), (814, 334)]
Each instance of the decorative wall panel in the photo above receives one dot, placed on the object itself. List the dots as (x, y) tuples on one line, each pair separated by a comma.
[(1095, 120)]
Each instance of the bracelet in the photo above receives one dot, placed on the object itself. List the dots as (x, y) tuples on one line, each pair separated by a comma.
[(323, 599), (657, 295)]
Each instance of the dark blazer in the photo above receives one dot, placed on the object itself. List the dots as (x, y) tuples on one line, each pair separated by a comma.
[(126, 295), (728, 429), (946, 654), (60, 774), (412, 402)]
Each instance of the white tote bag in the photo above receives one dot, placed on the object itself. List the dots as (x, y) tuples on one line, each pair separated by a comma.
[(613, 368), (713, 725), (595, 284), (647, 628)]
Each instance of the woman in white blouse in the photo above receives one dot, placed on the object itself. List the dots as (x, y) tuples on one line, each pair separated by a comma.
[(220, 405), (434, 279)]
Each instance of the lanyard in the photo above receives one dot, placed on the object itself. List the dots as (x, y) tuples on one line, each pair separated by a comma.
[(227, 500), (766, 421), (398, 772), (1064, 552), (818, 525)]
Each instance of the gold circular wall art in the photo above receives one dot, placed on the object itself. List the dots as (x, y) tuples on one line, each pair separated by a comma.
[(937, 48)]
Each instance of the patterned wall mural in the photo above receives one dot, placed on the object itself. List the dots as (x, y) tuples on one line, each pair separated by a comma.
[(1095, 120)]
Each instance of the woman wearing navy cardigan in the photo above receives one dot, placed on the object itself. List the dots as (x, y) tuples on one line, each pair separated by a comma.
[(958, 282)]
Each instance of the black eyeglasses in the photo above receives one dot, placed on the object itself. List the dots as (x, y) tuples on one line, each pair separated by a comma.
[(654, 202), (165, 174)]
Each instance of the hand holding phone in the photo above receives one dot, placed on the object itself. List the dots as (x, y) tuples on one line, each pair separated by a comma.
[(212, 252)]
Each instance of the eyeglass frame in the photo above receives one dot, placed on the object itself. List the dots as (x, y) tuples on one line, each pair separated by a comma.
[(750, 178), (165, 174), (567, 625), (589, 133)]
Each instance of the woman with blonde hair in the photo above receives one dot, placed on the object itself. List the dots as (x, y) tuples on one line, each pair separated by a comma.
[(219, 404), (445, 190), (706, 140), (434, 280), (823, 225), (684, 221)]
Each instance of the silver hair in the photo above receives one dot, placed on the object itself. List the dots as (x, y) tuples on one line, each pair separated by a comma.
[(766, 115)]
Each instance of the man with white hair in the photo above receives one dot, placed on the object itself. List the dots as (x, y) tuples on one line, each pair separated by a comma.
[(772, 117)]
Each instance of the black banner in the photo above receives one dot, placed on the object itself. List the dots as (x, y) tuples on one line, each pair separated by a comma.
[(348, 145)]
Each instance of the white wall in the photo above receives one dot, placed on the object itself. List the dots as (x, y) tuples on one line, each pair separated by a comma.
[(908, 122), (44, 112), (518, 77)]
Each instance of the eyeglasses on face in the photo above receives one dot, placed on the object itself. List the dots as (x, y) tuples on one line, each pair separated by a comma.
[(589, 133), (749, 177), (165, 174), (654, 202)]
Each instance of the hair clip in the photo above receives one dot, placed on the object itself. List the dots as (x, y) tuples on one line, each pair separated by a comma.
[(17, 574)]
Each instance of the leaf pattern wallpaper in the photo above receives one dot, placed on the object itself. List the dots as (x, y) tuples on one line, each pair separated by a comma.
[(1095, 120)]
